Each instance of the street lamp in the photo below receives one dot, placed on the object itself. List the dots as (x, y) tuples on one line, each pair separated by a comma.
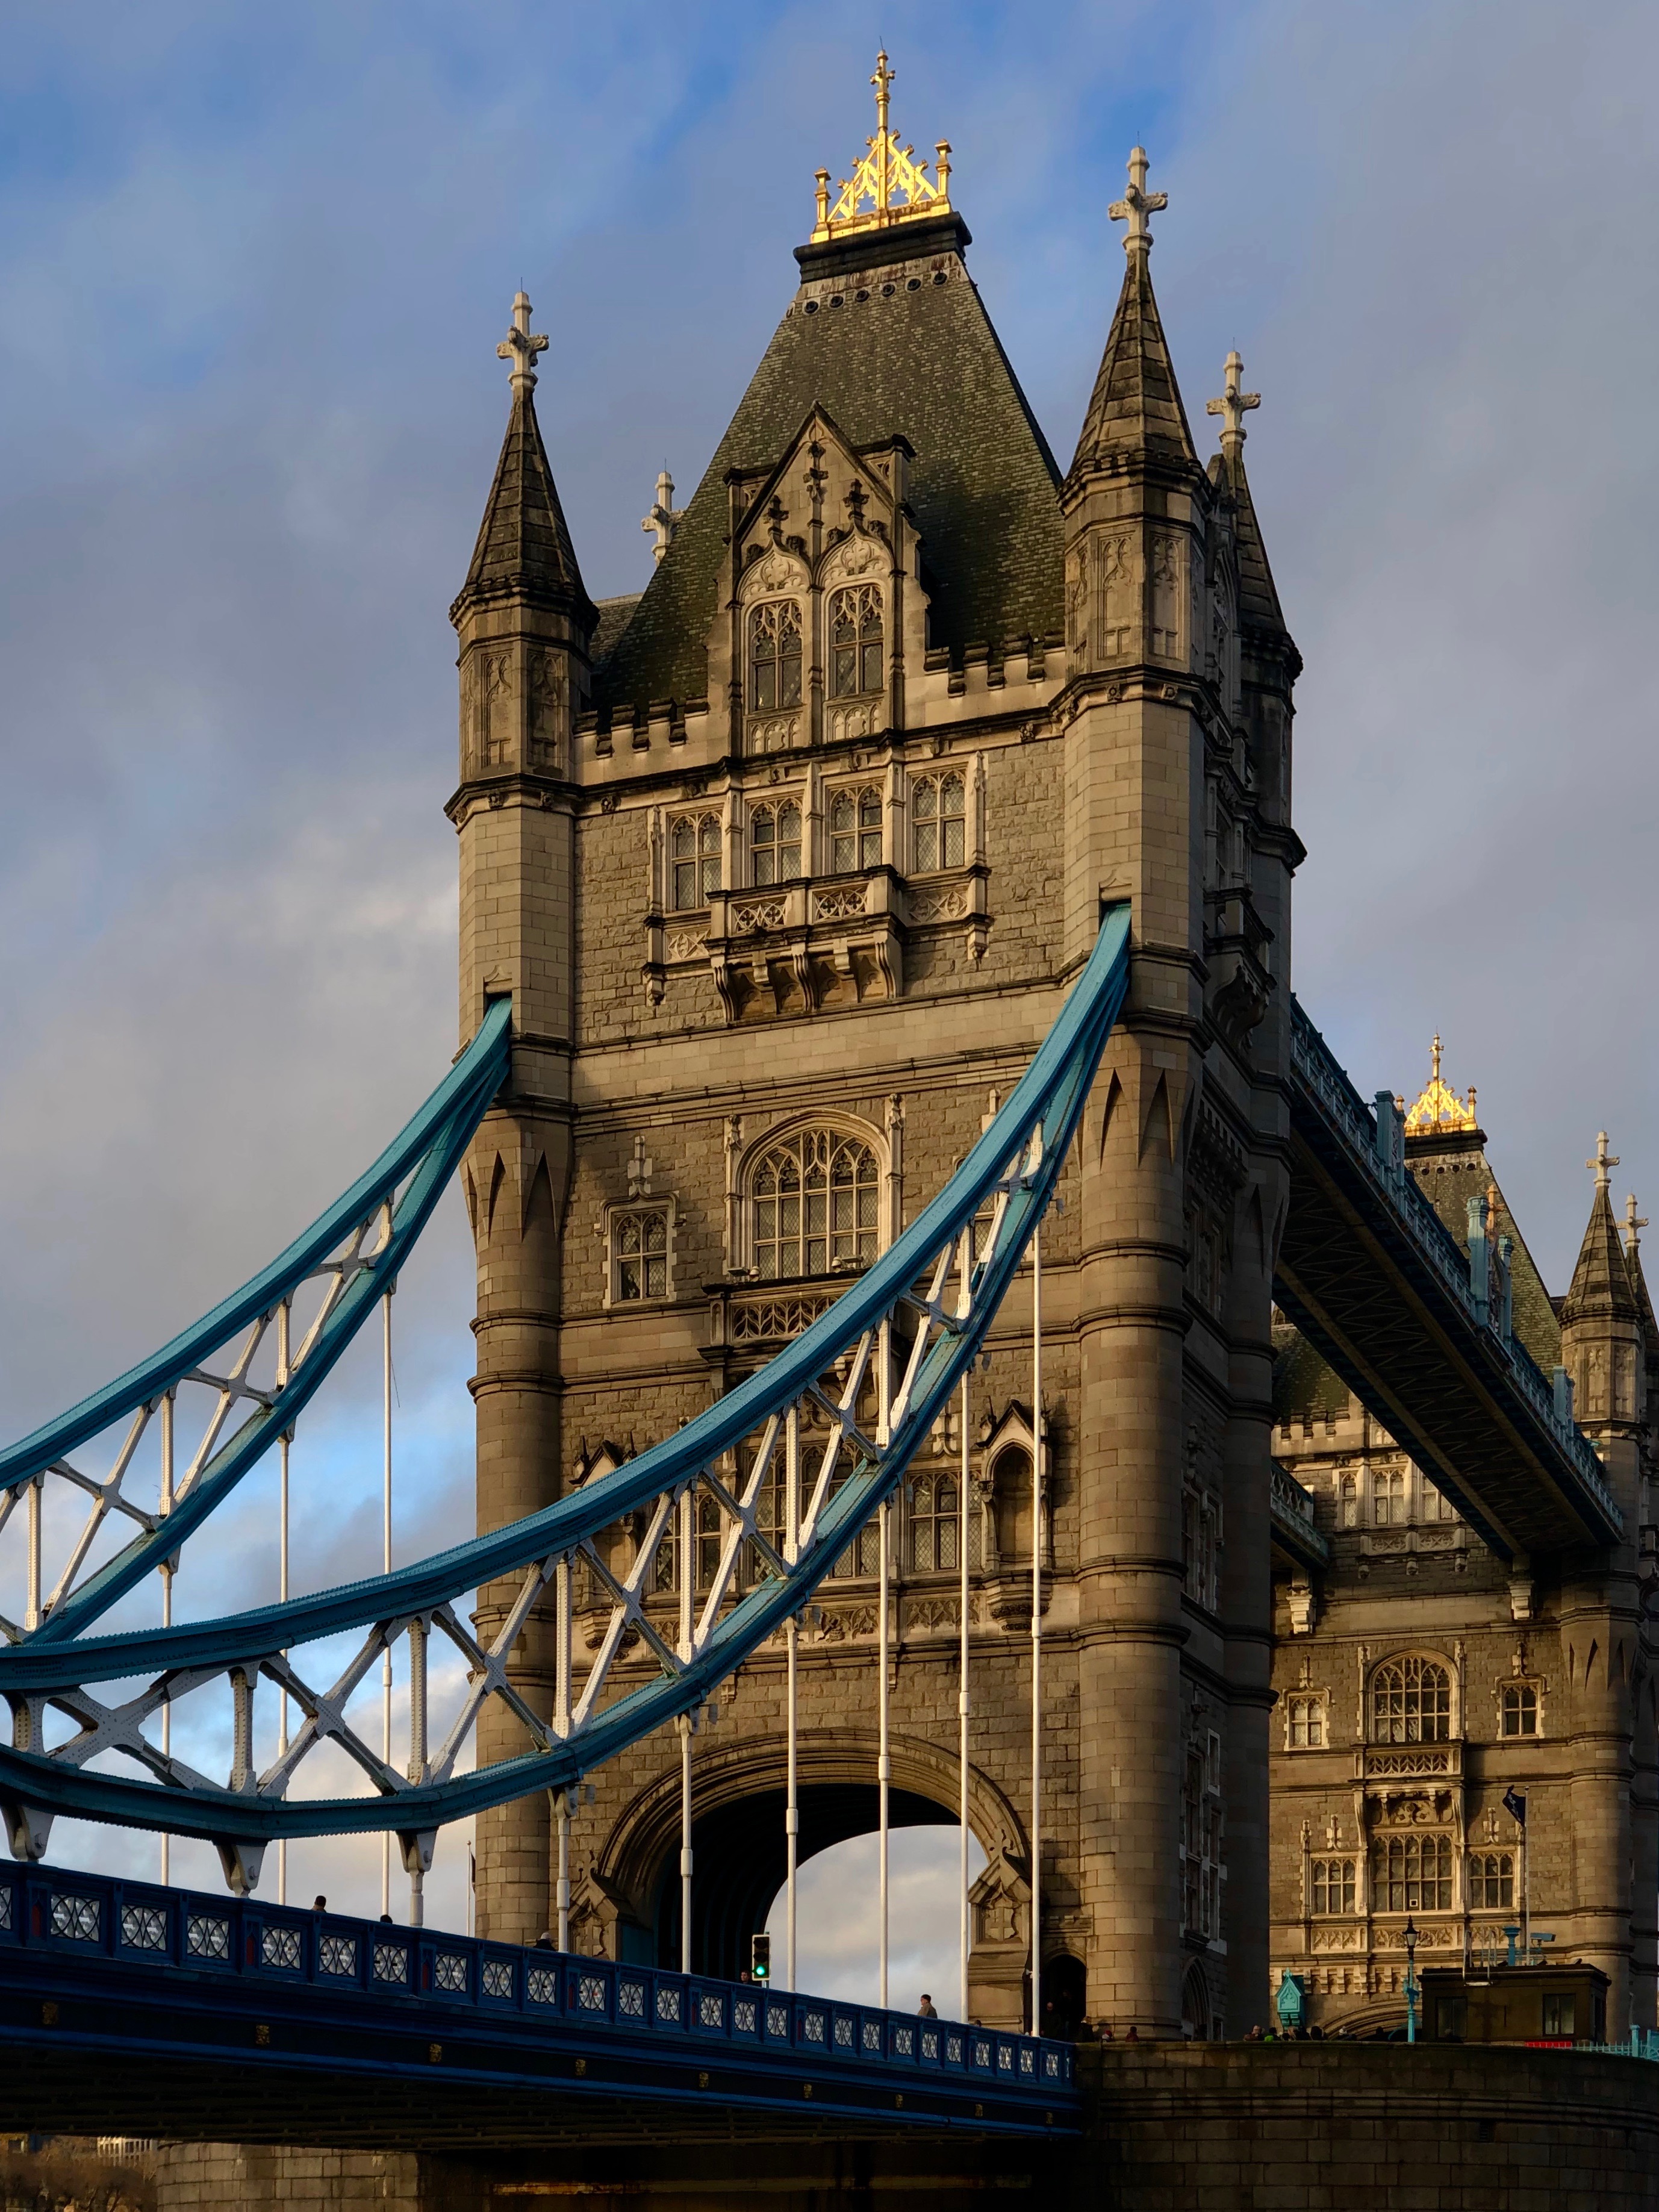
[(1411, 1981)]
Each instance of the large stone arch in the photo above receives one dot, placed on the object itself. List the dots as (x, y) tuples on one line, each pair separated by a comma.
[(738, 1796)]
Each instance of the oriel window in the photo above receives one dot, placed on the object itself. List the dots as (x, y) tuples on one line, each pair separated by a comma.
[(694, 859), (938, 821), (774, 656), (775, 843), (855, 830), (855, 640)]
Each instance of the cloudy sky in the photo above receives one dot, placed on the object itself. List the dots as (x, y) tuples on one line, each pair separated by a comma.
[(253, 265)]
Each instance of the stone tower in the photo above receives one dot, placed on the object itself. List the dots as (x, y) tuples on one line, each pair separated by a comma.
[(798, 881), (524, 621)]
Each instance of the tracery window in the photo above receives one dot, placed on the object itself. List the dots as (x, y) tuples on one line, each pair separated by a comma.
[(694, 859), (1492, 1881), (1411, 1701), (1435, 1507), (1388, 1498), (855, 830), (814, 1198), (1520, 1712), (936, 1524), (1414, 1875), (775, 843), (1331, 1885), (855, 640), (639, 1254), (1304, 1723), (774, 656), (939, 823)]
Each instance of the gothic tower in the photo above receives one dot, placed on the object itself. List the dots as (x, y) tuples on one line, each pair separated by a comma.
[(788, 861), (524, 621)]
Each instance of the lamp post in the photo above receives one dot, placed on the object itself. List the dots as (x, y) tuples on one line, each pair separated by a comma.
[(1411, 1981)]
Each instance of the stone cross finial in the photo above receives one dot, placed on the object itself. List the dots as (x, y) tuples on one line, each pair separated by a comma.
[(1635, 1224), (1604, 1159), (664, 517), (520, 346), (1233, 404), (1137, 203)]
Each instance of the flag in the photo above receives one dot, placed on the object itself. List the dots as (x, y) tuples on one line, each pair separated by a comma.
[(1516, 1806)]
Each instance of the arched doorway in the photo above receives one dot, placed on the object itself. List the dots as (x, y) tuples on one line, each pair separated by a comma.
[(1196, 2011), (1064, 1986), (740, 1860), (740, 1851)]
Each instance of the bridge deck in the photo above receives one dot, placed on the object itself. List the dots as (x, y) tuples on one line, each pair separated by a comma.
[(1370, 1275), (127, 2008)]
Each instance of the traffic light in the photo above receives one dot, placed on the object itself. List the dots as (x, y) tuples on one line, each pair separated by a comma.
[(760, 1958)]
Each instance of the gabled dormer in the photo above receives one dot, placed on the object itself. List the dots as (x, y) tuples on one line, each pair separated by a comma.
[(820, 607)]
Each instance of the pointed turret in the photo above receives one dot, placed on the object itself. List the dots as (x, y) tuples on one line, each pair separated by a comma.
[(1602, 1337), (1601, 1290), (1136, 403), (524, 551), (525, 623), (1258, 596)]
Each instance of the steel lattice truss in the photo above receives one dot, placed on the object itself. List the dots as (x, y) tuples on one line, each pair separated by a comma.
[(659, 1578)]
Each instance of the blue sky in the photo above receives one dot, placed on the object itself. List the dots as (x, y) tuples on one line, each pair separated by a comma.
[(253, 265)]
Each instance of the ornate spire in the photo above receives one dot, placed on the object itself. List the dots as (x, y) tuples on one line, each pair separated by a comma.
[(1136, 401), (1635, 1223), (1136, 205), (888, 185), (524, 551), (1601, 1287), (1232, 406), (1438, 1111)]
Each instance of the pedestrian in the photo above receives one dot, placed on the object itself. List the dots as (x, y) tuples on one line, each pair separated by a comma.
[(927, 2009), (544, 1940), (1106, 2031), (1255, 2035), (320, 1905), (385, 1920), (1133, 2036)]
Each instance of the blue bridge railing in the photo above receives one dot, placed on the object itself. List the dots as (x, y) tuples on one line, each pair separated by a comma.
[(232, 1953)]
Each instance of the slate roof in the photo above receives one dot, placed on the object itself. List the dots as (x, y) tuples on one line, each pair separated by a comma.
[(1258, 595), (524, 550), (1136, 399), (926, 365), (1600, 1288)]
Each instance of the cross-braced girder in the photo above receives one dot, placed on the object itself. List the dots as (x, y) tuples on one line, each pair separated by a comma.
[(696, 1552)]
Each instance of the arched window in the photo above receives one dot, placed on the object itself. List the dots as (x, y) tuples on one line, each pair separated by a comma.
[(1414, 1875), (1348, 1502), (855, 640), (936, 1524), (1492, 1881), (1010, 1502), (939, 823), (1388, 1498), (639, 1254), (855, 830), (694, 859), (814, 1197), (775, 843), (1411, 1701), (774, 656), (1520, 1709)]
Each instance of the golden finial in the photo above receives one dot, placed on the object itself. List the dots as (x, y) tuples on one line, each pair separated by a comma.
[(889, 185), (1438, 1111)]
